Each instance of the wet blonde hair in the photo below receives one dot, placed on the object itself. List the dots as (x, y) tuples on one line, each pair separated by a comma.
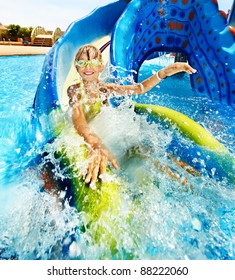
[(90, 51)]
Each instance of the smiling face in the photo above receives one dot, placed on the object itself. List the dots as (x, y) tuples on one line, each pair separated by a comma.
[(92, 66)]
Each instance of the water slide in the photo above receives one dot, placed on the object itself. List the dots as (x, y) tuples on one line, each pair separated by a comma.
[(129, 32), (139, 29), (196, 29)]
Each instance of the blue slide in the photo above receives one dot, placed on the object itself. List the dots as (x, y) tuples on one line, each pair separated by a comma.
[(141, 28), (197, 29), (138, 29), (60, 58)]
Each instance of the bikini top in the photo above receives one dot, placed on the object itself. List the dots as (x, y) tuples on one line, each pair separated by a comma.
[(90, 107)]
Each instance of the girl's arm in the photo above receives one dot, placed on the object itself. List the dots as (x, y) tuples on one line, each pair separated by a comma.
[(83, 129), (98, 155), (153, 80), (79, 120)]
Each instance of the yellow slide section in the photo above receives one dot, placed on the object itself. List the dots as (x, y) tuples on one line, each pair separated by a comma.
[(187, 126)]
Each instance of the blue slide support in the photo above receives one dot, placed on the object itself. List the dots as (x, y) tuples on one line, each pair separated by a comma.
[(195, 28)]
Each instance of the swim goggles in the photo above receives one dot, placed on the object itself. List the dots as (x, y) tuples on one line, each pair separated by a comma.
[(84, 63)]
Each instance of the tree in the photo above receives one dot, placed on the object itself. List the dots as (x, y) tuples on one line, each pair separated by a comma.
[(25, 33), (13, 30)]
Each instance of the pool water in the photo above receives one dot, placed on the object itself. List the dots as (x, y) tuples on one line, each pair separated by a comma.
[(172, 221)]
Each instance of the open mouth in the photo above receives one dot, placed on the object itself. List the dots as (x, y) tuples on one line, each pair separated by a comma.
[(88, 73)]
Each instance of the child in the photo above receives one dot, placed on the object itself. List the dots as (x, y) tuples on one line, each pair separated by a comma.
[(87, 98)]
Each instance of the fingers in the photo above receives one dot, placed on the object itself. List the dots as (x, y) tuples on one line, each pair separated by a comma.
[(89, 172), (103, 166), (109, 158), (97, 166), (114, 164), (183, 66), (190, 69), (113, 161), (95, 172), (92, 169), (179, 67)]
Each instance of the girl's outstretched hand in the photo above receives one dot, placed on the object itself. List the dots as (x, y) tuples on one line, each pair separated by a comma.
[(98, 161), (174, 68)]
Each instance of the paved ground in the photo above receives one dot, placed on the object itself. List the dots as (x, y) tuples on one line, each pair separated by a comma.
[(6, 50)]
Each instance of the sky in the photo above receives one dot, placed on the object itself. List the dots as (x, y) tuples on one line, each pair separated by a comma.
[(56, 13)]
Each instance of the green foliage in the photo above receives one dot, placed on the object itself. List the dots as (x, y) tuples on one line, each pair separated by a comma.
[(16, 31), (13, 30), (25, 32)]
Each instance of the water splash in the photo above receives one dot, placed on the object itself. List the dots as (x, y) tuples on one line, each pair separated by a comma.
[(169, 221)]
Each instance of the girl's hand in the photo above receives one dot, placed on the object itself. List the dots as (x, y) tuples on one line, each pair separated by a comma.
[(98, 161), (176, 68)]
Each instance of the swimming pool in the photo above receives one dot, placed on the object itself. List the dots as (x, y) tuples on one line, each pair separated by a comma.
[(171, 222)]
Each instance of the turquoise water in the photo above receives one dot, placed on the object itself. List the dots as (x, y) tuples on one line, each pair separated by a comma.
[(19, 78), (172, 222)]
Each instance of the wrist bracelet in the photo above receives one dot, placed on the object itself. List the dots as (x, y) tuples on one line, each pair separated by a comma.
[(156, 74), (141, 87)]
